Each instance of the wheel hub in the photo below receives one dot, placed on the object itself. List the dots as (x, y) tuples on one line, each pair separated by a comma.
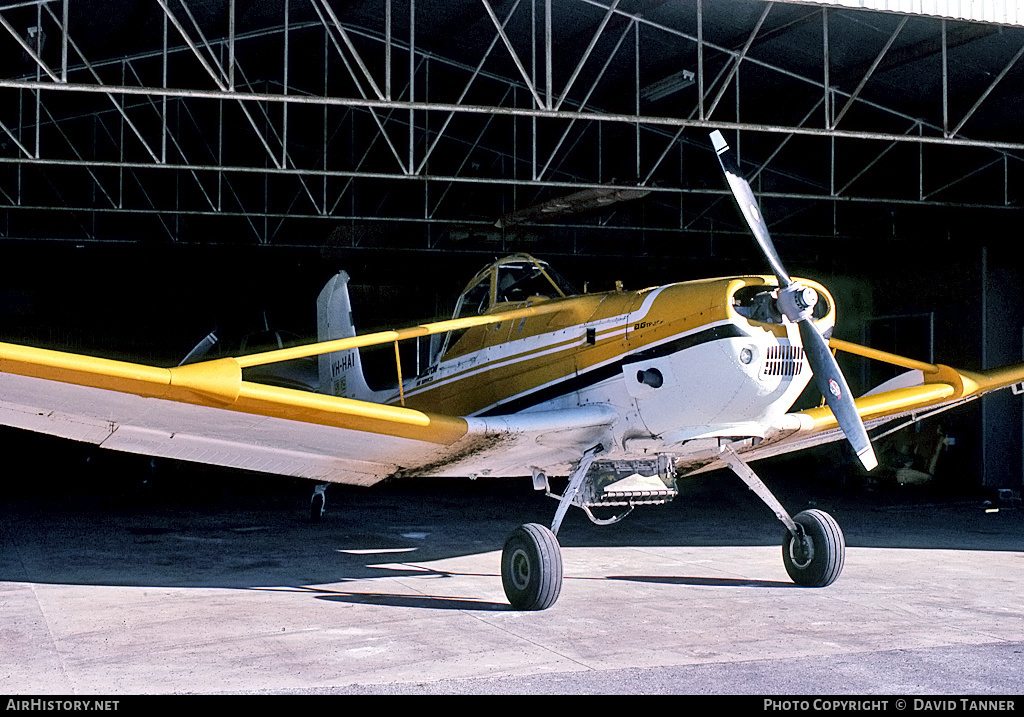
[(520, 573), (801, 550)]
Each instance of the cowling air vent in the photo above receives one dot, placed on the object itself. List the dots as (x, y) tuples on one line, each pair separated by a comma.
[(784, 360)]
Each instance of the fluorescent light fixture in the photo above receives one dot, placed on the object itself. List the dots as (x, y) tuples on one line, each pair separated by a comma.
[(583, 201), (671, 84)]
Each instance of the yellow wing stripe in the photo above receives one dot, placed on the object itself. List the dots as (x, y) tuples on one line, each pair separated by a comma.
[(941, 385), (83, 370), (999, 377), (966, 383), (883, 404), (346, 413), (219, 384)]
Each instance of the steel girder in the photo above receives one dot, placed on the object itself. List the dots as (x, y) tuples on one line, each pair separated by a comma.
[(288, 126)]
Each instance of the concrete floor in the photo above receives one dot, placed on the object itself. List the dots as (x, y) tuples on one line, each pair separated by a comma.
[(199, 589)]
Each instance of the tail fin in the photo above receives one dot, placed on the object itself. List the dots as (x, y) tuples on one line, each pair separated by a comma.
[(341, 373)]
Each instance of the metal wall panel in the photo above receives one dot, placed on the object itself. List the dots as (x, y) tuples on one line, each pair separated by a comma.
[(1004, 12)]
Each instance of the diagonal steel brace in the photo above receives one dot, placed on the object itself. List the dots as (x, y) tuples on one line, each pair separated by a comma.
[(575, 483), (755, 484)]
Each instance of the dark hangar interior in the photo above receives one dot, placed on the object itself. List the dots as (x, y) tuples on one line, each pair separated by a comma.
[(168, 167)]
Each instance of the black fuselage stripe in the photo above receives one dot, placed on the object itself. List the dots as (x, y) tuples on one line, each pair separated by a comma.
[(594, 376)]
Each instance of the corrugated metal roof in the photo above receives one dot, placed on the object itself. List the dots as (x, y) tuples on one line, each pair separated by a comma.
[(1003, 12)]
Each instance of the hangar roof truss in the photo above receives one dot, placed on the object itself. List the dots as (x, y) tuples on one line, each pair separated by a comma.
[(294, 122)]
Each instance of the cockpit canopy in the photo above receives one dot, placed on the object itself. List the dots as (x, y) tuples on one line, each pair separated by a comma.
[(514, 279)]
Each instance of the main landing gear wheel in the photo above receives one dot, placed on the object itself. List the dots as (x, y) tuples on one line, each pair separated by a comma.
[(531, 567), (817, 559)]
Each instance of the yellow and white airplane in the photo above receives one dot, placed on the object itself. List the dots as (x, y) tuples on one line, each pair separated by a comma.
[(625, 392)]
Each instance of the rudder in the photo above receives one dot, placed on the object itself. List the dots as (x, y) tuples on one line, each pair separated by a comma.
[(341, 372)]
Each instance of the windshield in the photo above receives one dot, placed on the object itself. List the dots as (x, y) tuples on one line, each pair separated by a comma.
[(514, 279), (519, 281)]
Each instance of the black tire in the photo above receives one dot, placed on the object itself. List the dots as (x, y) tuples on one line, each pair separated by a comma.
[(531, 568), (820, 562)]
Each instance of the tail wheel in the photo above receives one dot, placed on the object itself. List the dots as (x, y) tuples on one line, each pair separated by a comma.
[(316, 508), (531, 567), (816, 559)]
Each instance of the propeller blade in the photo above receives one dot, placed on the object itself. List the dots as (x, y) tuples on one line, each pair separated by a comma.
[(748, 206), (832, 384), (797, 302)]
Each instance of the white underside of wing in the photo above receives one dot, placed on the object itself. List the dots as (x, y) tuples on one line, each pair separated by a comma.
[(168, 429), (800, 440), (550, 441), (499, 446)]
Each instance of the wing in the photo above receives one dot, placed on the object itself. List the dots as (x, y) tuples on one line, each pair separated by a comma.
[(205, 412), (923, 391)]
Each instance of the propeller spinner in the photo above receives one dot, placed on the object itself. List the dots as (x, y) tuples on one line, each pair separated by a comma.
[(796, 302)]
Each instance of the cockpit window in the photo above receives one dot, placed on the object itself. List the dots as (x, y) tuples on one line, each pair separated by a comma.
[(519, 281), (513, 279), (477, 300)]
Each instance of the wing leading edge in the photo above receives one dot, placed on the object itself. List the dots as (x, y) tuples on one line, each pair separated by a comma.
[(205, 412), (926, 389)]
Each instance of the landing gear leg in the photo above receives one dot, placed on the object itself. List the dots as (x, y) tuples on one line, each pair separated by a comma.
[(814, 549), (531, 562), (318, 502)]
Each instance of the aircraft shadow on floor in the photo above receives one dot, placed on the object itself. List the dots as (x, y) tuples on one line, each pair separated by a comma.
[(257, 534)]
